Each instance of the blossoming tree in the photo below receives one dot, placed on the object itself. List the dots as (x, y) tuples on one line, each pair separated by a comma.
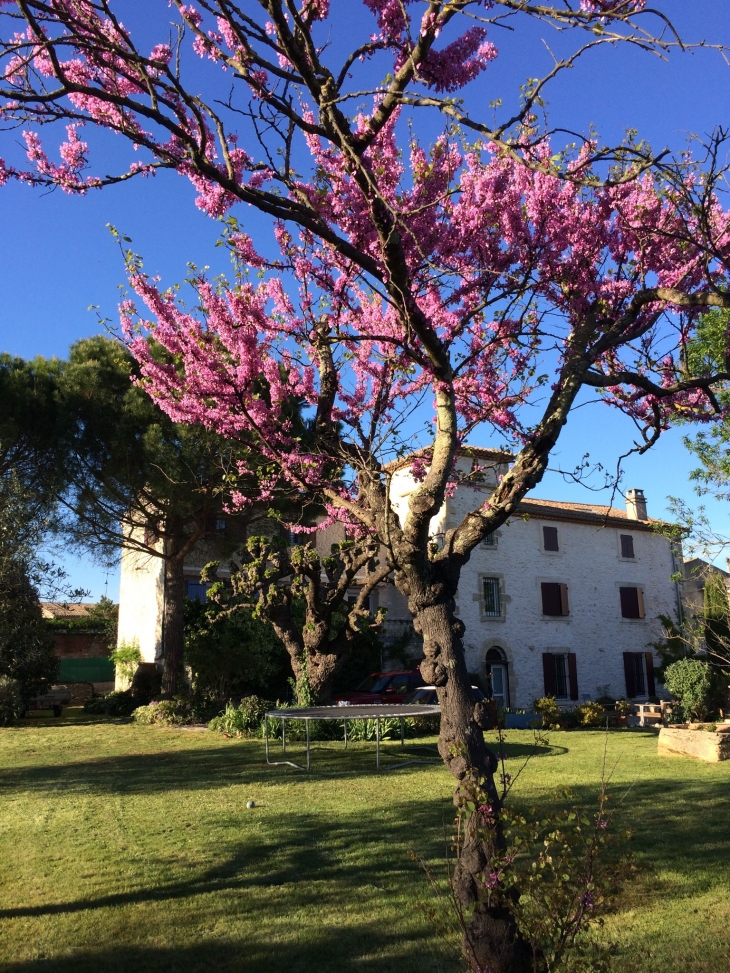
[(419, 293)]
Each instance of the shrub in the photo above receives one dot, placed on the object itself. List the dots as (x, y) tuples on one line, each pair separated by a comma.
[(113, 704), (623, 707), (591, 714), (552, 714), (233, 656), (244, 719), (177, 711), (692, 683)]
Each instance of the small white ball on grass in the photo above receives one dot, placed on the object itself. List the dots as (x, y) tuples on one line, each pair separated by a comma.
[(250, 804)]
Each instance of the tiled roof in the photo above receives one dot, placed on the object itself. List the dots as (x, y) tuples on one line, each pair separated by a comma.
[(63, 609), (478, 452), (593, 512)]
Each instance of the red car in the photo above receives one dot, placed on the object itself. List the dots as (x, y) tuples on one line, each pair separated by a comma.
[(383, 687)]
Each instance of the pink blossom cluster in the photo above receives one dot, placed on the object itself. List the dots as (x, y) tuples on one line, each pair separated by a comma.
[(525, 244)]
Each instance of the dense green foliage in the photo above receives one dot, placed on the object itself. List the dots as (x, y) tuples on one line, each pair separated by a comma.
[(695, 685), (126, 657), (27, 660), (245, 719), (233, 655)]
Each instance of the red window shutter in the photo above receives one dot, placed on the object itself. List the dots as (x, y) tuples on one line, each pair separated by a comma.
[(573, 675), (548, 671), (650, 685), (629, 674), (550, 538), (640, 602), (564, 609), (629, 602)]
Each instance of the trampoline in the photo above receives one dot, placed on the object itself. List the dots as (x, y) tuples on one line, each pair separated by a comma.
[(344, 713)]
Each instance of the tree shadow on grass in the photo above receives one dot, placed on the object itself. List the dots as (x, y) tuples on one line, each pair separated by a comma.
[(303, 896), (324, 951), (354, 850), (211, 767)]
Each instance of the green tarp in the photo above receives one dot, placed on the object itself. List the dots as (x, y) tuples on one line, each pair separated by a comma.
[(87, 670)]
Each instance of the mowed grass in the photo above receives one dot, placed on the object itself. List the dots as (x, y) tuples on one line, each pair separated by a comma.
[(126, 848)]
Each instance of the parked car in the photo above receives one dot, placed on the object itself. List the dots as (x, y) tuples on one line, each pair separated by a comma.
[(383, 687), (426, 696), (54, 699)]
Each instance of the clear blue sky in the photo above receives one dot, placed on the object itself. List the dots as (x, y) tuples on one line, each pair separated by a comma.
[(58, 256)]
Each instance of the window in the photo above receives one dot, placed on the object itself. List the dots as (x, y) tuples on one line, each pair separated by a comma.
[(627, 546), (492, 603), (490, 540), (550, 539), (215, 525), (196, 590), (554, 598), (497, 677), (398, 684), (560, 673), (632, 602), (639, 673)]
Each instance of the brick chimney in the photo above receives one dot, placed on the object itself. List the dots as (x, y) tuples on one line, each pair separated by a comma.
[(636, 505)]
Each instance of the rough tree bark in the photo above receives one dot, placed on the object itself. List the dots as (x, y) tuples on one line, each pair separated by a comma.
[(173, 621)]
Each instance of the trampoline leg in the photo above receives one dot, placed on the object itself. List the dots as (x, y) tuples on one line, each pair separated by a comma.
[(283, 736), (266, 737), (344, 723), (377, 742), (402, 732), (306, 722)]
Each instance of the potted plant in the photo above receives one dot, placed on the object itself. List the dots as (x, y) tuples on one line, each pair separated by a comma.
[(622, 709)]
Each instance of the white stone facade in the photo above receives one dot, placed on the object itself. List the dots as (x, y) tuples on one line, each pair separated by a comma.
[(592, 568)]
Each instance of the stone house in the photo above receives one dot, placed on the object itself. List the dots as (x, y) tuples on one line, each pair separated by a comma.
[(563, 600)]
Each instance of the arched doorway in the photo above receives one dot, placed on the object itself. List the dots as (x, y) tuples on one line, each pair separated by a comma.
[(497, 676)]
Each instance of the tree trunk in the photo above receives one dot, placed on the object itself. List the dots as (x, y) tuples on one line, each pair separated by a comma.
[(174, 633), (491, 941), (314, 671)]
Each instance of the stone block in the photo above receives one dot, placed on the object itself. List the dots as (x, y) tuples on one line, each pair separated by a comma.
[(701, 744)]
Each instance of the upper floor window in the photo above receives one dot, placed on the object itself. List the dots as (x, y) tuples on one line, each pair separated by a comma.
[(554, 598), (550, 539), (490, 540), (492, 603), (627, 546), (632, 602)]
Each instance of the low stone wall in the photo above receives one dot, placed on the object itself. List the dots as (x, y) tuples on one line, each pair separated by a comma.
[(698, 741)]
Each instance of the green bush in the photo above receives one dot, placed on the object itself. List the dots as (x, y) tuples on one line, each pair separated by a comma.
[(233, 656), (552, 714), (591, 714), (692, 683), (177, 711), (113, 704), (244, 719)]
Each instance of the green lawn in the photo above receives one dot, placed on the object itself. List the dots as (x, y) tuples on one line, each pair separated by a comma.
[(126, 848)]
